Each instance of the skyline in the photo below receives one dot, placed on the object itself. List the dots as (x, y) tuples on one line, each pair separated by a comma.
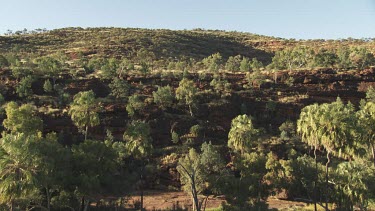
[(309, 19)]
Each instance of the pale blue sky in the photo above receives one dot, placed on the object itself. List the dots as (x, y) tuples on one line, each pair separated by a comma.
[(301, 19)]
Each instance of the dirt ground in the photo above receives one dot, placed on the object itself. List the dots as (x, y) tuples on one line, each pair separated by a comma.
[(157, 200)]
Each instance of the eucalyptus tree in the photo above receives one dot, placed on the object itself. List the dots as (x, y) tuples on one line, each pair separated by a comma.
[(200, 172), (24, 89), (163, 97), (245, 65), (94, 168), (242, 135), (49, 66), (213, 62), (84, 111), (361, 57), (135, 104), (186, 93), (119, 88), (233, 63), (22, 119)]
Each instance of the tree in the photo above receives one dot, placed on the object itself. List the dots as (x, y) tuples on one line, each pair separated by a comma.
[(233, 63), (332, 127), (213, 62), (163, 97), (109, 68), (22, 119), (308, 128), (186, 92), (139, 146), (83, 111), (3, 62), (343, 55), (354, 181), (255, 64), (361, 57), (135, 104), (49, 67), (119, 88), (24, 87), (47, 86), (366, 122), (289, 58), (245, 65), (248, 189), (17, 169), (138, 139), (242, 134), (325, 58), (200, 172), (94, 169), (124, 67)]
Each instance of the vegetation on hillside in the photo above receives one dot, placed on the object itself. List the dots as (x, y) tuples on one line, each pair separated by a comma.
[(92, 115)]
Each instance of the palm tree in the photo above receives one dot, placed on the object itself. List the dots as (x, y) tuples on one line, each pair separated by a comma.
[(242, 133), (17, 170)]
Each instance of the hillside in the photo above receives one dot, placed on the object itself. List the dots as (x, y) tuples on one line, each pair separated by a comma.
[(124, 108)]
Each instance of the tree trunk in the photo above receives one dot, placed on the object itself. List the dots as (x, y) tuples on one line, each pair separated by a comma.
[(316, 180), (48, 199), (373, 153), (190, 110), (82, 203), (12, 205), (141, 186), (328, 161), (195, 195), (86, 131)]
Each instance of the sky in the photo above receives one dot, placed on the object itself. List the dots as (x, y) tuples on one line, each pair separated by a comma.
[(299, 19)]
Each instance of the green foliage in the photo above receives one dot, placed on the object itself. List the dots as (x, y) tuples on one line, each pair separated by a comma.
[(119, 88), (47, 86), (124, 67), (109, 68), (138, 139), (24, 87), (22, 119), (255, 64), (366, 122), (94, 168), (200, 172), (186, 92), (3, 62), (135, 104), (325, 58), (287, 130), (354, 181), (32, 166), (247, 191), (213, 62), (245, 65), (49, 66), (163, 97), (222, 87), (343, 55), (233, 63), (83, 111), (175, 137), (242, 135), (361, 57), (292, 58)]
